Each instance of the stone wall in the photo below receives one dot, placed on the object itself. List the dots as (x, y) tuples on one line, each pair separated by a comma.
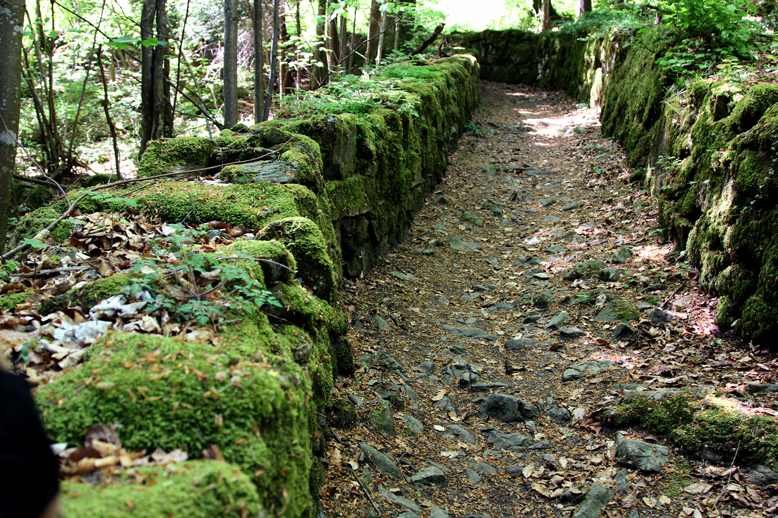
[(323, 196)]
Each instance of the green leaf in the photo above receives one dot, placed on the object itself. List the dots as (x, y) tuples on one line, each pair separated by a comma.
[(34, 243)]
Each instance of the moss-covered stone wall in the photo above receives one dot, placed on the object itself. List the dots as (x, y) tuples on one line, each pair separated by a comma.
[(324, 196), (575, 60)]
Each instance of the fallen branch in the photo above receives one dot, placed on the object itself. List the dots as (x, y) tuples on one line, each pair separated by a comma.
[(429, 41)]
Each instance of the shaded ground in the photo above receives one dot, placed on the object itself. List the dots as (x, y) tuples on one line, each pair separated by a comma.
[(470, 306)]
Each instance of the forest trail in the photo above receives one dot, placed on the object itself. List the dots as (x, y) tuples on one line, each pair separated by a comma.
[(475, 303)]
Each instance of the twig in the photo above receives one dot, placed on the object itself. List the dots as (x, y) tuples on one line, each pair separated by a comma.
[(365, 490), (55, 270), (679, 288)]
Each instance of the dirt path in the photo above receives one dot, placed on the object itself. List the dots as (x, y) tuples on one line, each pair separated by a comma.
[(475, 303)]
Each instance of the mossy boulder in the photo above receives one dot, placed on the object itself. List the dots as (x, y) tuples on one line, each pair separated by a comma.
[(88, 295), (306, 242), (584, 268), (617, 311), (172, 394), (32, 223), (196, 489), (175, 155), (703, 426)]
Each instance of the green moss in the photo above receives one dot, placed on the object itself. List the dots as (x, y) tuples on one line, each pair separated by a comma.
[(753, 105), (174, 155), (32, 223), (173, 394), (698, 426), (306, 241), (193, 489), (9, 302)]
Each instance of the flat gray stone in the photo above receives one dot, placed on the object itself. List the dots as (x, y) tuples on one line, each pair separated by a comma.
[(642, 455), (555, 249), (463, 433), (622, 255), (571, 206), (610, 274), (484, 469), (428, 476), (458, 244), (762, 476), (558, 320), (572, 332), (659, 316), (262, 172), (507, 409), (514, 470), (473, 478), (509, 441), (404, 276), (596, 499), (519, 344), (560, 415), (381, 461), (413, 424), (380, 323), (551, 219), (547, 202), (586, 369), (437, 512), (399, 500)]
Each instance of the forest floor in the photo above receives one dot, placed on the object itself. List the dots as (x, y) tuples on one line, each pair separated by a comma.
[(445, 322)]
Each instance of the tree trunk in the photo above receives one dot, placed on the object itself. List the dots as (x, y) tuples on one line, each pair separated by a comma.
[(317, 53), (583, 7), (164, 101), (230, 63), (382, 28), (147, 75), (273, 60), (259, 64), (11, 21), (375, 24), (546, 20)]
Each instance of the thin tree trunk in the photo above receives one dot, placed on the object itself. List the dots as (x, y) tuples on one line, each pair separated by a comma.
[(11, 20), (334, 43), (259, 64), (108, 119), (298, 80), (546, 24), (350, 63), (180, 58), (342, 39), (273, 60), (375, 23), (230, 63), (147, 75), (381, 40), (317, 53), (583, 7)]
